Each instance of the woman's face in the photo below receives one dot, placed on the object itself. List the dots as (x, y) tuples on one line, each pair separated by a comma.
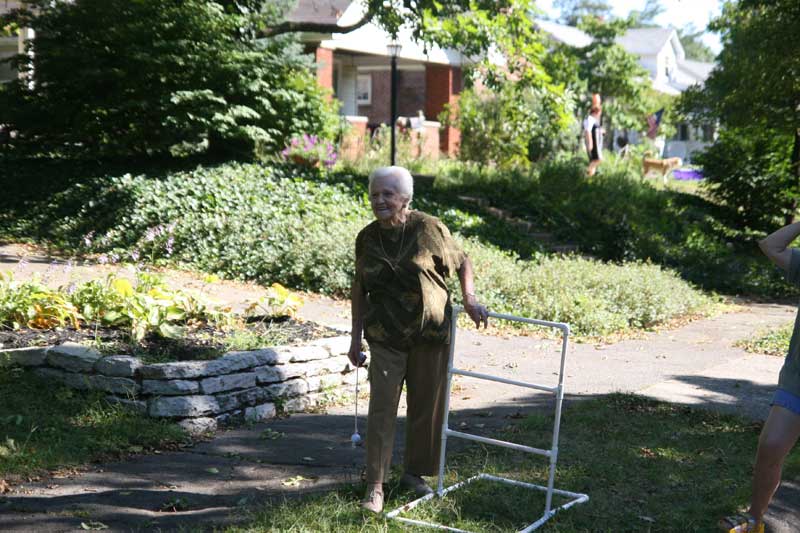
[(387, 202)]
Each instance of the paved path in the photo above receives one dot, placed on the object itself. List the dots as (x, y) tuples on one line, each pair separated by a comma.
[(214, 481)]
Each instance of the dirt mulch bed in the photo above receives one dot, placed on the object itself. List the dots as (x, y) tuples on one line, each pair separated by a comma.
[(201, 343)]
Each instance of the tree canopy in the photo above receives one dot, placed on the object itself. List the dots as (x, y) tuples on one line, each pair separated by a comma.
[(111, 78), (573, 12), (756, 82)]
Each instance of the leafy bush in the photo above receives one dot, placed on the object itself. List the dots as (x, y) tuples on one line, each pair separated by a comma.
[(31, 304), (509, 126), (121, 78), (310, 151), (595, 298), (268, 223), (146, 306), (618, 216), (749, 170)]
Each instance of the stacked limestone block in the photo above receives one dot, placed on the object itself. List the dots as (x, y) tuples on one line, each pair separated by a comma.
[(201, 395)]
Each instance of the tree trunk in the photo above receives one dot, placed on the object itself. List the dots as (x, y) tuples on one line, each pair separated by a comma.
[(795, 169)]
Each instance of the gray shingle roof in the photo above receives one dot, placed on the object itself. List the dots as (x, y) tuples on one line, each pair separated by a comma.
[(645, 41), (569, 35), (699, 69)]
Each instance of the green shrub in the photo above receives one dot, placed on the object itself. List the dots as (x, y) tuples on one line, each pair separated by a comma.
[(270, 224), (749, 170), (121, 78), (595, 298), (511, 126), (142, 307), (618, 216)]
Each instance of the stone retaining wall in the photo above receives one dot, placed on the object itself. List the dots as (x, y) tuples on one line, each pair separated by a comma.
[(200, 395)]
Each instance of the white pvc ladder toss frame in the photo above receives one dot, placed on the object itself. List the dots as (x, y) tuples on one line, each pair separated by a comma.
[(552, 453)]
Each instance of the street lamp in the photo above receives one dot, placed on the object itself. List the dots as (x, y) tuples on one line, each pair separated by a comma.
[(394, 50)]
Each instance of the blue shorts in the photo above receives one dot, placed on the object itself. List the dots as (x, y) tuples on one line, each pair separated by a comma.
[(787, 400)]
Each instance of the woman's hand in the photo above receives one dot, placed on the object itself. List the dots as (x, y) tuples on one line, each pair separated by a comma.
[(477, 312), (356, 356)]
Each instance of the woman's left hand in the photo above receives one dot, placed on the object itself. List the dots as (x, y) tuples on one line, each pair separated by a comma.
[(477, 312)]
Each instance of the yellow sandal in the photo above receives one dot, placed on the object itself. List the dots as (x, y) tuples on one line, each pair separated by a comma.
[(741, 523)]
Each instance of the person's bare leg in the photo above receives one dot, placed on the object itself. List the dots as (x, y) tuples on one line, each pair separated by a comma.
[(779, 435)]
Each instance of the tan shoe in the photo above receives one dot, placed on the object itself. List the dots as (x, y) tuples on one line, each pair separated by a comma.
[(373, 501), (415, 483)]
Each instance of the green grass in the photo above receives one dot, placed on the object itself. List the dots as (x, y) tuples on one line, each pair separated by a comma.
[(647, 466), (774, 341), (66, 428)]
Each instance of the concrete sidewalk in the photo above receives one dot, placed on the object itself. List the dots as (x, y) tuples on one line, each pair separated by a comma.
[(214, 481)]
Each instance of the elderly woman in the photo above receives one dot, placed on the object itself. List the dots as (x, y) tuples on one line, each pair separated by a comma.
[(402, 306)]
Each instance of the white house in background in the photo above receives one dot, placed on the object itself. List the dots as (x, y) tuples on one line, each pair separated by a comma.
[(660, 52)]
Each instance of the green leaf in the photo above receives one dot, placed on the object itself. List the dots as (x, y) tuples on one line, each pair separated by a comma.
[(171, 331)]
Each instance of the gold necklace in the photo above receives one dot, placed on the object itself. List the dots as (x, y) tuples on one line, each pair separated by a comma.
[(393, 264)]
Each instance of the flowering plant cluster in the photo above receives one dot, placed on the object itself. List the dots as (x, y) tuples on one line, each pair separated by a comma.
[(310, 150)]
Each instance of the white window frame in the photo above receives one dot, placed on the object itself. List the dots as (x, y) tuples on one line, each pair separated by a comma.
[(366, 78)]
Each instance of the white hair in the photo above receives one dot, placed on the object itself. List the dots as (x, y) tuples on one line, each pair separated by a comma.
[(405, 183)]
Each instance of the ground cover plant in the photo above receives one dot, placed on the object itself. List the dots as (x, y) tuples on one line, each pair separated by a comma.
[(269, 223), (144, 317), (646, 465), (67, 428), (616, 216), (774, 341)]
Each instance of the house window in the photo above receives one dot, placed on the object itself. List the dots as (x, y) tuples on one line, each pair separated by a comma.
[(682, 132), (364, 89)]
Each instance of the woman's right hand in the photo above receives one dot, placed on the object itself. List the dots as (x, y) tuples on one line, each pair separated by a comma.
[(356, 356)]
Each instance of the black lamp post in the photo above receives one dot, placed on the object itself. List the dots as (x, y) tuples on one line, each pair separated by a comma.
[(394, 49)]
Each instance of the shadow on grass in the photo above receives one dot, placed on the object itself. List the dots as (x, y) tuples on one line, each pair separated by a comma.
[(647, 466)]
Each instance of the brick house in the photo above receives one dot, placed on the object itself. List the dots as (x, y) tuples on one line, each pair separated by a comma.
[(356, 67)]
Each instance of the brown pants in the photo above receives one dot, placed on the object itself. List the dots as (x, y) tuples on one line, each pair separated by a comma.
[(424, 369)]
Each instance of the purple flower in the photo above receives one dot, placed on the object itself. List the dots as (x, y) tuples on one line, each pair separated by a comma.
[(71, 288), (170, 244), (68, 266), (103, 259), (21, 264), (135, 255), (113, 258)]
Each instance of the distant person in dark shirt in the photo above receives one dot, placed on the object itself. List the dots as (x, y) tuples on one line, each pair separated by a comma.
[(593, 137)]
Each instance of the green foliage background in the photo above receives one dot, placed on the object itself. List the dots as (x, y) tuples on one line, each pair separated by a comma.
[(272, 224), (115, 78)]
